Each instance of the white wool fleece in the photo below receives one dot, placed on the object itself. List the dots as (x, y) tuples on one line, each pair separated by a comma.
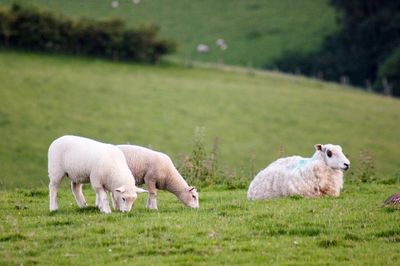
[(85, 160), (322, 174), (157, 171)]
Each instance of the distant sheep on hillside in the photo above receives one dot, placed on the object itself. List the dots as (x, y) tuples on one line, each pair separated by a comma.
[(202, 48), (319, 175)]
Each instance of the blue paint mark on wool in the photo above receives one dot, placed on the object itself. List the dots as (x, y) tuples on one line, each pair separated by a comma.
[(300, 164)]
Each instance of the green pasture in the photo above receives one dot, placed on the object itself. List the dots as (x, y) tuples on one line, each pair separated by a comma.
[(256, 32), (227, 230), (256, 117)]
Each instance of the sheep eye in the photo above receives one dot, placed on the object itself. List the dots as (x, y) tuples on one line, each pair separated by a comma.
[(329, 153), (193, 196), (123, 199)]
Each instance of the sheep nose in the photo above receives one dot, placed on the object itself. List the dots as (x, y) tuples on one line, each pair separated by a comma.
[(346, 166)]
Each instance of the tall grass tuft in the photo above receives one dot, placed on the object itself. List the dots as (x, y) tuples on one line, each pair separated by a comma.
[(201, 167), (365, 172)]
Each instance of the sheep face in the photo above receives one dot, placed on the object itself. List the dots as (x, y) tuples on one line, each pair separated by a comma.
[(191, 197), (124, 198), (333, 156)]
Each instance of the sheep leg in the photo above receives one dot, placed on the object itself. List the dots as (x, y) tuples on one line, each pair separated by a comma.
[(152, 198), (97, 200), (53, 189), (77, 191), (101, 196), (114, 205)]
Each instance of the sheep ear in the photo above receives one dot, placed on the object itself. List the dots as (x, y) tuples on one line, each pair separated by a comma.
[(318, 147), (141, 190), (191, 188), (120, 189)]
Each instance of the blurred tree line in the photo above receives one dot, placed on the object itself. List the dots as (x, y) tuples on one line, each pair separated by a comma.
[(364, 52), (30, 28)]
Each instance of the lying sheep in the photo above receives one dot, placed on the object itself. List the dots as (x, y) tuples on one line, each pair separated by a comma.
[(157, 171), (319, 175), (84, 160)]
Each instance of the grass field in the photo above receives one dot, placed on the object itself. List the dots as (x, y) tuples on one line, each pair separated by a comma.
[(43, 97), (257, 116), (256, 31), (227, 229)]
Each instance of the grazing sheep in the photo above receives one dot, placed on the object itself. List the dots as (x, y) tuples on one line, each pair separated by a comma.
[(157, 171), (84, 160), (319, 175)]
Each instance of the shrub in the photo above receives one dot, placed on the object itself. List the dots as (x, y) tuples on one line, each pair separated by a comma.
[(5, 29), (40, 30)]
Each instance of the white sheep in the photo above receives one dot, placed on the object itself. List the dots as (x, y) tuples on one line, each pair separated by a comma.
[(157, 171), (319, 175), (202, 48), (85, 160)]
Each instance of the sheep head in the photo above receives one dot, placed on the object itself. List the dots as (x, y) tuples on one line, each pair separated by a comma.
[(190, 197), (333, 156), (124, 198)]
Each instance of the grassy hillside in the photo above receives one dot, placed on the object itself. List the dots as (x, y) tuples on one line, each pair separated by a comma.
[(227, 229), (43, 97), (255, 31)]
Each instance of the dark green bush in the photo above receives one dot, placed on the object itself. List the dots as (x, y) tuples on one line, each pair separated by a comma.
[(362, 52), (40, 30), (5, 26), (389, 71)]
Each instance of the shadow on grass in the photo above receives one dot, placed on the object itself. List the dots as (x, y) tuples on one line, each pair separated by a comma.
[(392, 235), (391, 208), (33, 192), (281, 229), (62, 212), (12, 237), (88, 209)]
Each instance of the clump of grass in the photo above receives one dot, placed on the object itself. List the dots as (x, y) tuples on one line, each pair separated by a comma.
[(201, 168), (328, 243), (365, 173), (390, 180), (281, 152), (352, 237)]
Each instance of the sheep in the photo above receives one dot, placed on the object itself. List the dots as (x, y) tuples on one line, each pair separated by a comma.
[(157, 171), (221, 44), (319, 175), (202, 48), (85, 160), (114, 4)]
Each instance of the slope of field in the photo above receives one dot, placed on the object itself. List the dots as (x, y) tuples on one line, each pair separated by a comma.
[(226, 230), (254, 116), (256, 32)]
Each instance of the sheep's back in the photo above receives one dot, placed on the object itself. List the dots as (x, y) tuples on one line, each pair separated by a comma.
[(280, 178), (79, 157)]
